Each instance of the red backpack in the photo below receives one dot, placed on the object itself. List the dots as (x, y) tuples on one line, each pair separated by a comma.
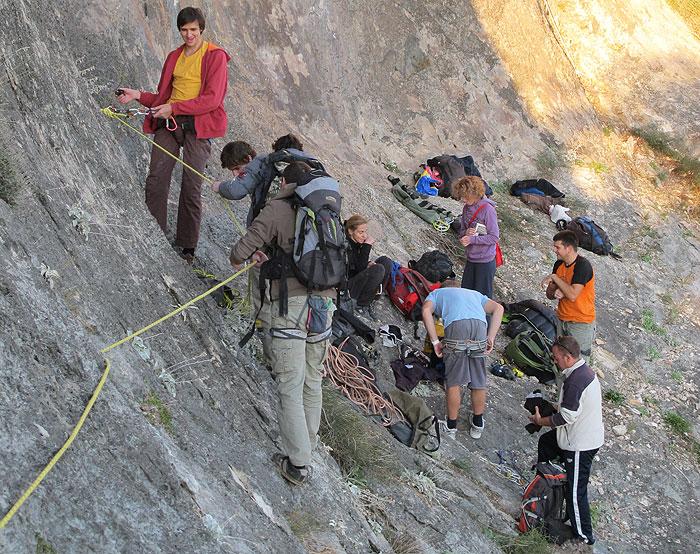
[(543, 503), (407, 289)]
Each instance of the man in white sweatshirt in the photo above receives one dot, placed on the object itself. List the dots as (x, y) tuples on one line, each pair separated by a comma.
[(577, 432)]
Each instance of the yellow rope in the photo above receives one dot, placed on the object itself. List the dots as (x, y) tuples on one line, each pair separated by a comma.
[(109, 112), (38, 480), (178, 310), (96, 393)]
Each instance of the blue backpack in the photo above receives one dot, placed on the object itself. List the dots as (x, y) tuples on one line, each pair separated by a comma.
[(591, 236)]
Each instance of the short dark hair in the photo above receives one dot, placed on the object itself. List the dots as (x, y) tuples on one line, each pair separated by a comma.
[(236, 153), (295, 172), (570, 344), (567, 238), (190, 15), (287, 141), (450, 283)]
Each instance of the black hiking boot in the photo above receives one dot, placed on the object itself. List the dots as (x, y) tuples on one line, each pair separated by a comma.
[(293, 474)]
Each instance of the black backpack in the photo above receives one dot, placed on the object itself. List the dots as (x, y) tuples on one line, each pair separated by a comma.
[(528, 315), (276, 162), (543, 503), (435, 266), (591, 236)]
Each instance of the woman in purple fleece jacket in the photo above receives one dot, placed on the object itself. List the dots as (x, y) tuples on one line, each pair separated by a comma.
[(479, 234)]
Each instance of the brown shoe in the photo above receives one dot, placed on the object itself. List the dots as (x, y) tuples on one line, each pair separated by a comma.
[(189, 258)]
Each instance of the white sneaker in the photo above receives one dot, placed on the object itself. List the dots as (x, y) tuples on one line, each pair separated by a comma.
[(475, 432), (446, 431)]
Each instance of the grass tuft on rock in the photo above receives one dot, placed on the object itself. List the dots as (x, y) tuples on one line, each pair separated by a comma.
[(402, 542), (157, 412), (661, 143), (532, 542), (42, 546), (355, 442), (303, 523), (679, 425)]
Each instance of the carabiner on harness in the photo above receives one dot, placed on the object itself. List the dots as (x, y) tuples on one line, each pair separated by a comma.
[(167, 121)]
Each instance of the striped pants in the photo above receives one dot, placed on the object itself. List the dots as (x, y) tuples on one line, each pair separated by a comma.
[(578, 469)]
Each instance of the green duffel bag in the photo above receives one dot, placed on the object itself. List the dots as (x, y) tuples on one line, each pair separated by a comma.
[(423, 423)]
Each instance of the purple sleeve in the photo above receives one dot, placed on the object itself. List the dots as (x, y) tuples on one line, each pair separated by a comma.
[(491, 221), (465, 222)]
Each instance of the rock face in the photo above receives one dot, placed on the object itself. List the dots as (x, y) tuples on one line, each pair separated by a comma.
[(175, 454)]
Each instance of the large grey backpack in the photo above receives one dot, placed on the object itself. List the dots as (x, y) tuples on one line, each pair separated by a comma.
[(319, 257)]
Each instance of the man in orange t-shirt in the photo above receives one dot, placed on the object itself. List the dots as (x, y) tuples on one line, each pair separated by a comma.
[(191, 91), (572, 281)]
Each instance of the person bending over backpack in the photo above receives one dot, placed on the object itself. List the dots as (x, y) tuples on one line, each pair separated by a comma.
[(577, 432), (466, 342), (479, 234), (364, 277), (252, 174), (297, 354)]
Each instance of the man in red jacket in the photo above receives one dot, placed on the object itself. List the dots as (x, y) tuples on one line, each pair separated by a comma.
[(188, 113)]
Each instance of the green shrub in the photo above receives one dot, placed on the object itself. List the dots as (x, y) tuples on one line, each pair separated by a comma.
[(550, 159), (614, 396), (532, 542), (463, 465), (302, 523), (42, 546), (650, 326), (661, 142), (657, 140)]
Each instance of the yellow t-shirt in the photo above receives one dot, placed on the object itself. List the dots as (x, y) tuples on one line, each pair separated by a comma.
[(187, 75)]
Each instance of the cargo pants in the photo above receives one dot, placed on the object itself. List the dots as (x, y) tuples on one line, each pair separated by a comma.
[(297, 365)]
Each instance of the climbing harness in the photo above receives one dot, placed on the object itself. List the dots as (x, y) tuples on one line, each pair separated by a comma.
[(357, 384), (97, 390), (121, 116), (473, 348)]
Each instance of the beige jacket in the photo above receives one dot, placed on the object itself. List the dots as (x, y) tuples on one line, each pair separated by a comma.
[(274, 227)]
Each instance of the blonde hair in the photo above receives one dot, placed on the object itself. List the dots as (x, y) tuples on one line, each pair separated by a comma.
[(353, 222), (471, 187)]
